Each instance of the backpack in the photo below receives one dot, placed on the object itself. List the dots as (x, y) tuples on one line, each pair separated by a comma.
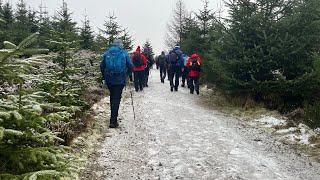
[(162, 60), (115, 63), (195, 64), (137, 62), (174, 58)]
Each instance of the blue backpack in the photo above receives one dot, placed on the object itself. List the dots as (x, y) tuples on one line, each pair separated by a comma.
[(115, 62)]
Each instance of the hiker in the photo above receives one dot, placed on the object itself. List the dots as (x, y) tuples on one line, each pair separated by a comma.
[(140, 62), (194, 65), (176, 66), (150, 62), (168, 64), (157, 62), (185, 72), (114, 67), (162, 66)]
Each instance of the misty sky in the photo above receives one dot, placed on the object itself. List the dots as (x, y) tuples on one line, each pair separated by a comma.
[(145, 19)]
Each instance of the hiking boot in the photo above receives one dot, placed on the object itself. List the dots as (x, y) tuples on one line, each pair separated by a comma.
[(146, 85), (171, 89), (191, 92), (112, 125), (198, 92), (175, 89), (182, 85), (137, 90)]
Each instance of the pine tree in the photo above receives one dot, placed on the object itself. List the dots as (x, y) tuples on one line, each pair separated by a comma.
[(86, 34), (268, 53), (21, 25), (127, 40), (111, 31), (148, 45), (45, 26), (64, 28), (27, 146), (175, 25), (6, 27)]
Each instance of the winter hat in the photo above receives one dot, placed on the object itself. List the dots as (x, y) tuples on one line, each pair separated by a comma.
[(145, 50), (177, 46), (138, 49), (117, 42)]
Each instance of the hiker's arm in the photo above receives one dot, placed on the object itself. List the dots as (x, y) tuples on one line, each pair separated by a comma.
[(103, 65), (144, 60), (188, 63), (129, 63)]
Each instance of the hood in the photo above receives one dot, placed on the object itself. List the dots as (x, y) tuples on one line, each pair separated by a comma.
[(194, 56)]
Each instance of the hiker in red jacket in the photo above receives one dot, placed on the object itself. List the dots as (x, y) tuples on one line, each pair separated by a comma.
[(140, 62), (194, 65)]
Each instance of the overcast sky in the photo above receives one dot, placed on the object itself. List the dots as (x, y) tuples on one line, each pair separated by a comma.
[(145, 19)]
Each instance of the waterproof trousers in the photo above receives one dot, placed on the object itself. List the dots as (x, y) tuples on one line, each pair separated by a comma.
[(194, 84), (138, 80), (175, 72), (115, 98)]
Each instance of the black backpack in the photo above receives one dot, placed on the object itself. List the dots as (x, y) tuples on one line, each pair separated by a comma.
[(195, 65), (137, 62), (173, 58), (162, 60)]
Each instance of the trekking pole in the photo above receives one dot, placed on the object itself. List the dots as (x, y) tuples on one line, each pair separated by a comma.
[(134, 114)]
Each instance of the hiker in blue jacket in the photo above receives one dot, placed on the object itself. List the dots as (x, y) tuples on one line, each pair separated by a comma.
[(114, 67), (176, 65)]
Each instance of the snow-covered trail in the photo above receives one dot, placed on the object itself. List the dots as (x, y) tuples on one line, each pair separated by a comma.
[(174, 137)]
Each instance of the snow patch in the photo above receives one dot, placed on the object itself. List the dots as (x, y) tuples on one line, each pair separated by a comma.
[(269, 121)]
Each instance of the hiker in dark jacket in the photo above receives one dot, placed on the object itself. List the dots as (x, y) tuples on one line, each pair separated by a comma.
[(114, 67), (150, 62), (162, 65), (194, 65), (176, 65), (140, 62)]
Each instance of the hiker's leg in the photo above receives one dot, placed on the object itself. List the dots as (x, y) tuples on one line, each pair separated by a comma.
[(196, 84), (141, 79), (146, 76), (191, 84), (184, 75), (112, 115), (171, 76), (116, 98), (178, 73), (161, 72), (136, 80)]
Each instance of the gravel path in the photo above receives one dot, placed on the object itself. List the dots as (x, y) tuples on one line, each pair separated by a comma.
[(174, 137)]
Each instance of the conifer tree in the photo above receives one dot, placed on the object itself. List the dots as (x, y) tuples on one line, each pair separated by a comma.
[(86, 34), (45, 26), (21, 25), (127, 40), (148, 45), (175, 25), (64, 28), (27, 146), (6, 27), (111, 31)]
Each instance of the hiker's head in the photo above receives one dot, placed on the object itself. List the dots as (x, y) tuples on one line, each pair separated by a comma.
[(117, 42), (177, 46), (145, 50), (138, 49), (162, 53)]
